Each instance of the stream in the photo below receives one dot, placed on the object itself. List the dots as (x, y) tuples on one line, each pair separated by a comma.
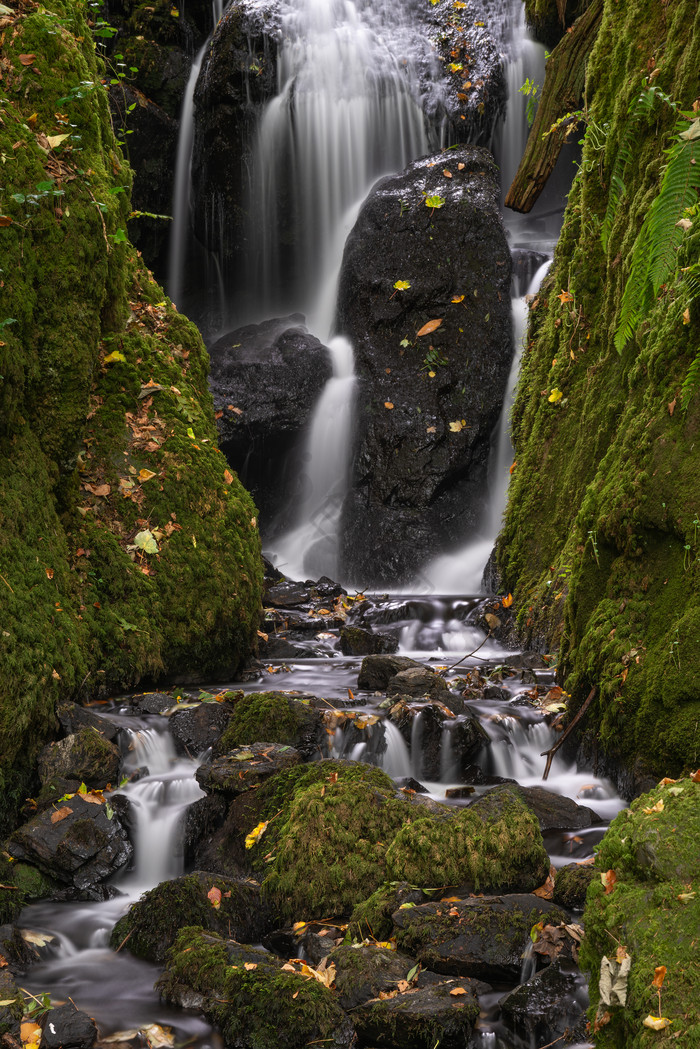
[(346, 128)]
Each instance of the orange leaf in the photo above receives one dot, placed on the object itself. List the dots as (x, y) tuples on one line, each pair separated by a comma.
[(27, 60), (249, 966), (60, 814), (228, 477), (659, 973), (512, 467), (427, 328), (388, 404), (565, 297), (49, 573), (609, 879), (457, 991), (447, 174), (5, 220), (672, 406), (695, 776), (30, 1033), (214, 897), (507, 601)]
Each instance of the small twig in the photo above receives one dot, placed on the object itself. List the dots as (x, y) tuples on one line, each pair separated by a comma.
[(102, 218), (549, 754), (124, 940), (5, 581), (448, 669)]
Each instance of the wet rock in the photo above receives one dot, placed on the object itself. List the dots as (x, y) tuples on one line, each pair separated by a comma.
[(372, 917), (85, 755), (314, 942), (482, 937), (265, 380), (287, 595), (281, 648), (415, 1019), (446, 745), (362, 972), (20, 885), (152, 703), (548, 1007), (66, 1027), (256, 1007), (245, 768), (355, 641), (151, 925), (550, 19), (277, 718), (195, 730), (419, 471), (199, 821), (571, 885), (553, 811), (377, 671), (417, 681), (18, 954), (81, 848), (73, 717)]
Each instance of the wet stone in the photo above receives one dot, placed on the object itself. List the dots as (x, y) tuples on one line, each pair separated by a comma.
[(417, 681), (417, 1018), (549, 1005), (287, 595), (246, 767), (68, 1028), (195, 730), (377, 670), (554, 811), (356, 641)]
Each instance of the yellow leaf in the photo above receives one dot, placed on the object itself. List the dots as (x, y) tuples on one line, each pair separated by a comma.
[(507, 601), (458, 298), (249, 966), (255, 834), (55, 140), (657, 1023), (298, 926), (428, 328), (659, 807), (685, 897), (555, 396), (455, 427), (146, 475), (686, 315), (114, 356)]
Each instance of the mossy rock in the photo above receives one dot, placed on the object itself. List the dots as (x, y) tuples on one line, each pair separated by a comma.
[(103, 383), (257, 1008), (372, 917), (362, 972), (150, 926), (332, 847), (84, 755), (21, 884), (654, 910), (571, 885), (494, 845), (420, 1019), (275, 718), (11, 1013)]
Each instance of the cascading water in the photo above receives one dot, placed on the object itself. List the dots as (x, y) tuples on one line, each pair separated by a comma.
[(346, 112)]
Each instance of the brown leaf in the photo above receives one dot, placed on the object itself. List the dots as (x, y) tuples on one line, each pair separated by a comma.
[(60, 814), (659, 974), (447, 173), (49, 573), (5, 220), (98, 489), (93, 797), (609, 880), (228, 477), (402, 986), (27, 60), (672, 406), (428, 328)]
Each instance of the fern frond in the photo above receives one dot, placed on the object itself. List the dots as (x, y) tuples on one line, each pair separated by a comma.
[(690, 383), (678, 191), (637, 296)]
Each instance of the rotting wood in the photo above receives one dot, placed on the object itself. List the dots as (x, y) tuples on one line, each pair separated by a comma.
[(549, 754), (564, 82)]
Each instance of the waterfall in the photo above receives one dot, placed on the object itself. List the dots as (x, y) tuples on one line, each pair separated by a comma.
[(347, 111), (181, 193)]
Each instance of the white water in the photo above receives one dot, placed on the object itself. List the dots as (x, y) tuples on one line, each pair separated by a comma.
[(461, 572), (347, 111)]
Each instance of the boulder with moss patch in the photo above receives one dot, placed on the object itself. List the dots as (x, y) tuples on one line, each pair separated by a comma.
[(255, 1005), (84, 755), (277, 718), (216, 904), (651, 905)]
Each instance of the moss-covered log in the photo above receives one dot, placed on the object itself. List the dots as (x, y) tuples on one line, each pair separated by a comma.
[(554, 122), (127, 550), (601, 541)]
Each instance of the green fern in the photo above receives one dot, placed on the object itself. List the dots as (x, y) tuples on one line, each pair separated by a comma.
[(640, 107), (691, 382), (654, 255)]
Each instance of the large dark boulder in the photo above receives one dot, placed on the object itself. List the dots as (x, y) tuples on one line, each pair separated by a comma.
[(426, 404), (266, 379)]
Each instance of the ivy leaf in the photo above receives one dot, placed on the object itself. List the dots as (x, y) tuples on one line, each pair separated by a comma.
[(436, 201)]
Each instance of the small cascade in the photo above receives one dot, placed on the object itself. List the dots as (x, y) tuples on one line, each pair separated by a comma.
[(462, 572), (311, 548), (417, 745), (347, 111), (396, 760), (449, 770)]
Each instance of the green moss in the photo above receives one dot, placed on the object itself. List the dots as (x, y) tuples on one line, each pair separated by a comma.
[(372, 917), (332, 847), (269, 717), (21, 884), (257, 1009), (571, 885), (79, 612), (488, 847), (654, 910), (599, 544)]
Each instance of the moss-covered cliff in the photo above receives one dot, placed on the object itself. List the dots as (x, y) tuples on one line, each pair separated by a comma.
[(601, 544), (127, 549)]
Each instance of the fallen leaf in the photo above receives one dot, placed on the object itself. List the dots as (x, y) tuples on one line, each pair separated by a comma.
[(686, 315), (5, 220), (214, 897), (388, 404), (158, 1037), (659, 807), (456, 426), (685, 897), (659, 974), (672, 406), (55, 140), (146, 475), (456, 991), (555, 396), (609, 880), (565, 297), (447, 173), (430, 429), (695, 776), (460, 166), (249, 966), (39, 939), (428, 328), (49, 573), (30, 1033), (98, 489), (507, 601), (27, 60), (60, 814), (457, 298), (613, 980), (657, 1023), (114, 356), (256, 833), (492, 620), (228, 479)]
